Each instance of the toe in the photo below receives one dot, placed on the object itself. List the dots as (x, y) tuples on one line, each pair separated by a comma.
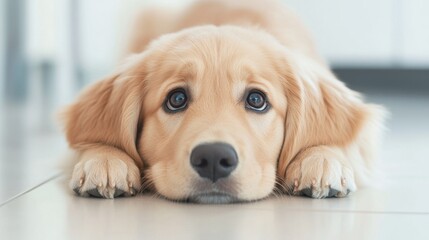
[(119, 193), (332, 193), (307, 192), (76, 190), (343, 194), (94, 193)]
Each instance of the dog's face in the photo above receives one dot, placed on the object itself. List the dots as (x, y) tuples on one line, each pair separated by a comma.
[(213, 116)]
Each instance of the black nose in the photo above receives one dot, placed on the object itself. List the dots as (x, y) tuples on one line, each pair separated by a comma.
[(214, 160)]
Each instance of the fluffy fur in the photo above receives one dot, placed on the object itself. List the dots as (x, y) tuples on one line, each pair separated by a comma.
[(319, 138)]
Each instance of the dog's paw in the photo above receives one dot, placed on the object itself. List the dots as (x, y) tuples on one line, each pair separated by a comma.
[(319, 173), (105, 176)]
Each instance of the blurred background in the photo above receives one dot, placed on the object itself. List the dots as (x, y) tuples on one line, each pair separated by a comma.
[(50, 49)]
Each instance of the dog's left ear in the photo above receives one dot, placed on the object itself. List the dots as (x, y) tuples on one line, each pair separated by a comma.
[(108, 113), (321, 109)]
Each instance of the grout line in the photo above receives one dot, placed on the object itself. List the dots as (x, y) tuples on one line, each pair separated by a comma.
[(30, 189)]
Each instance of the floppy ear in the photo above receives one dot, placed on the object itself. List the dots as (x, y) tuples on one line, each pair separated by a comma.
[(321, 110), (107, 113)]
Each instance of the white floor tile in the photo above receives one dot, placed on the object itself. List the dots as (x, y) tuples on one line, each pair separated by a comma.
[(51, 212)]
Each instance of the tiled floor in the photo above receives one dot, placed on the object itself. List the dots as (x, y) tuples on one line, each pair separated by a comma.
[(35, 204)]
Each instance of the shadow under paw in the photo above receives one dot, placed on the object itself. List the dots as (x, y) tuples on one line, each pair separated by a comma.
[(96, 194), (333, 193)]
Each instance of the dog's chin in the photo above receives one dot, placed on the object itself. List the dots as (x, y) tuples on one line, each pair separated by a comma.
[(213, 198)]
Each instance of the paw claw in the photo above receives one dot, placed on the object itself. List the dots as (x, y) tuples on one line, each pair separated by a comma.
[(313, 182), (295, 183), (295, 186), (343, 181)]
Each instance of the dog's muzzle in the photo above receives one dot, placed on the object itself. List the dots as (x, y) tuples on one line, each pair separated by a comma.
[(214, 163)]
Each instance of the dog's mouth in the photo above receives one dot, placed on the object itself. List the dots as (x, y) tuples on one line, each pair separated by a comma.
[(224, 191), (213, 197)]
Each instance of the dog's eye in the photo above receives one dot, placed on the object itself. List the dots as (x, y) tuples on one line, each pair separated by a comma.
[(176, 101), (256, 101)]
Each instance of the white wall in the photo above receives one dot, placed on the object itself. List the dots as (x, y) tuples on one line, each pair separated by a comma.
[(48, 40), (374, 33), (100, 31), (2, 47), (369, 32), (104, 29), (350, 32), (415, 35)]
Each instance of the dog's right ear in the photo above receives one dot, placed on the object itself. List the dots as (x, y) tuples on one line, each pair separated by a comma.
[(107, 113), (321, 111)]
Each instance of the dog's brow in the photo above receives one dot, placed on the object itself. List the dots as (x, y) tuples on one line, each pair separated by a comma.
[(171, 84)]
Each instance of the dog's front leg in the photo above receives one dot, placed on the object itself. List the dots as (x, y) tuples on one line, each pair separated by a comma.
[(105, 172), (320, 172)]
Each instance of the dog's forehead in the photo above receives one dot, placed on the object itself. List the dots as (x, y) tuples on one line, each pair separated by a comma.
[(212, 63), (213, 48)]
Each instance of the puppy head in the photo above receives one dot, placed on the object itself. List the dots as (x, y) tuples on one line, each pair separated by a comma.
[(214, 113), (213, 116)]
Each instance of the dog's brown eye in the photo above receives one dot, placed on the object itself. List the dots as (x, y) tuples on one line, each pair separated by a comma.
[(177, 100), (256, 101)]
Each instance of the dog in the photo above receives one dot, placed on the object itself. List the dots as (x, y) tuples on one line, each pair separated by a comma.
[(221, 102)]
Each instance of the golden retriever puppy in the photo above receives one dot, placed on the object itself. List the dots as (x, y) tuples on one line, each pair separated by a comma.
[(225, 101)]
